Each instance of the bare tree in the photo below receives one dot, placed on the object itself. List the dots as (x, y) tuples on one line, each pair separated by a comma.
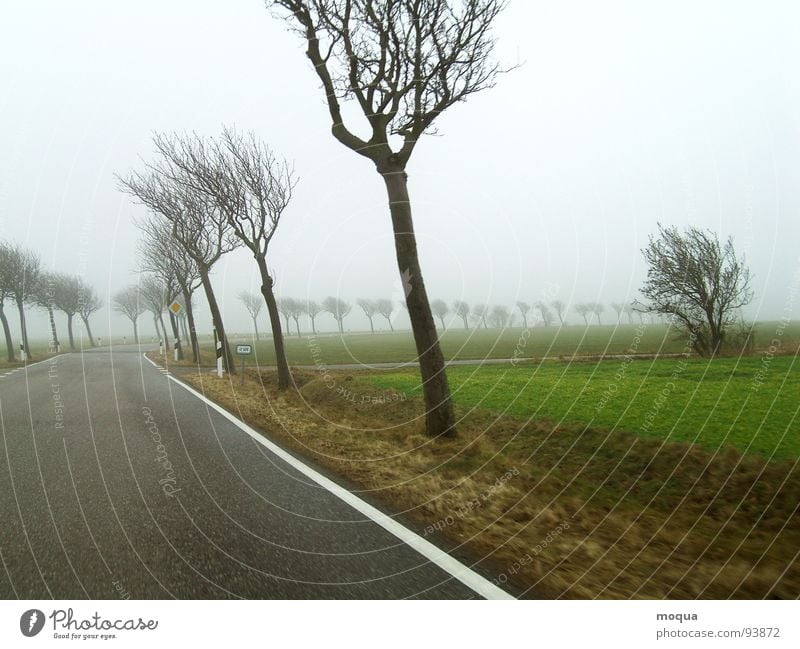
[(629, 309), (67, 298), (338, 308), (199, 227), (385, 308), (619, 308), (545, 313), (500, 316), (403, 64), (560, 308), (461, 309), (23, 275), (524, 308), (286, 306), (479, 314), (252, 188), (697, 282), (127, 303), (440, 310), (298, 311), (154, 295), (584, 309), (370, 309), (44, 295), (7, 273), (313, 309), (253, 304), (598, 308), (163, 255), (88, 303)]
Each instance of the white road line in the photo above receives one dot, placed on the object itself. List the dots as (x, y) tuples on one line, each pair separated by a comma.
[(451, 566)]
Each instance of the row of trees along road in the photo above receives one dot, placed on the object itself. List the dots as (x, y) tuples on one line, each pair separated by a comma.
[(24, 282), (400, 65)]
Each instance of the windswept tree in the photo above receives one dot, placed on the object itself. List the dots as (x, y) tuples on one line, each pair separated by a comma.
[(583, 309), (598, 308), (524, 308), (253, 303), (370, 309), (154, 295), (44, 296), (163, 255), (402, 64), (338, 308), (313, 309), (441, 311), (251, 187), (196, 223), (6, 280), (545, 313), (698, 283), (23, 276), (67, 298), (560, 308), (479, 314), (461, 309), (385, 308), (298, 311), (89, 302), (629, 310), (128, 304), (500, 317), (286, 306), (619, 308)]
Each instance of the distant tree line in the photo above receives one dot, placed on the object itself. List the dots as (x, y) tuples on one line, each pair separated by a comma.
[(23, 282)]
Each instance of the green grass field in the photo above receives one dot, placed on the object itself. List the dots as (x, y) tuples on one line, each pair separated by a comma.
[(751, 404), (484, 343)]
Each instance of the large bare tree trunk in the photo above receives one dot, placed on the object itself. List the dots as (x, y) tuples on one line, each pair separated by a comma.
[(88, 331), (192, 332), (216, 318), (53, 327), (69, 331), (164, 331), (284, 375), (439, 416), (7, 333), (23, 325)]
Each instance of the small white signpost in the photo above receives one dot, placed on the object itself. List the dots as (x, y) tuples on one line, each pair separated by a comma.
[(244, 351)]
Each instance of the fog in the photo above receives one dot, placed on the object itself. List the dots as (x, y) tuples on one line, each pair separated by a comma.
[(617, 117)]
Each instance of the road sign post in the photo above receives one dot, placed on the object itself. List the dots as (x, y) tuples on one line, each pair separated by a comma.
[(244, 351), (218, 347)]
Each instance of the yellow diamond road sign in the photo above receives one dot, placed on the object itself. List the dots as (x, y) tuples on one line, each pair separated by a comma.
[(176, 307)]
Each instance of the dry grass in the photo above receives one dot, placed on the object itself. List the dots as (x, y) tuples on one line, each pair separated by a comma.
[(559, 512)]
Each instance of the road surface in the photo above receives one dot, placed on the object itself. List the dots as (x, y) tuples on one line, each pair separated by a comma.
[(115, 481)]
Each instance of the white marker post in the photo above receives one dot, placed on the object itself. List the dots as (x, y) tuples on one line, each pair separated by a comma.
[(160, 347), (22, 353), (177, 348), (218, 345)]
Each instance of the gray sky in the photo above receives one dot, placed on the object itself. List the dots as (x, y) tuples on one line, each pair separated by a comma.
[(622, 114)]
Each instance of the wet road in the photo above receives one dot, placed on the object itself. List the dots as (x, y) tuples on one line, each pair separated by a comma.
[(115, 481)]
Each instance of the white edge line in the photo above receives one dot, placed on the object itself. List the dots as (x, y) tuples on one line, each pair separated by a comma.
[(434, 554)]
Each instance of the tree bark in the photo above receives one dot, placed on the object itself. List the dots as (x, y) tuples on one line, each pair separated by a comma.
[(216, 318), (135, 332), (313, 326), (174, 323), (53, 331), (7, 332), (255, 327), (371, 326), (69, 331), (88, 331), (284, 375), (23, 325), (187, 298), (164, 330), (439, 416)]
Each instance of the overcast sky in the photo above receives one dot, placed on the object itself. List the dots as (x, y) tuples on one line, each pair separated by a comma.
[(621, 115)]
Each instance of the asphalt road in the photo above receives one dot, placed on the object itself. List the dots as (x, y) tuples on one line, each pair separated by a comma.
[(117, 482)]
